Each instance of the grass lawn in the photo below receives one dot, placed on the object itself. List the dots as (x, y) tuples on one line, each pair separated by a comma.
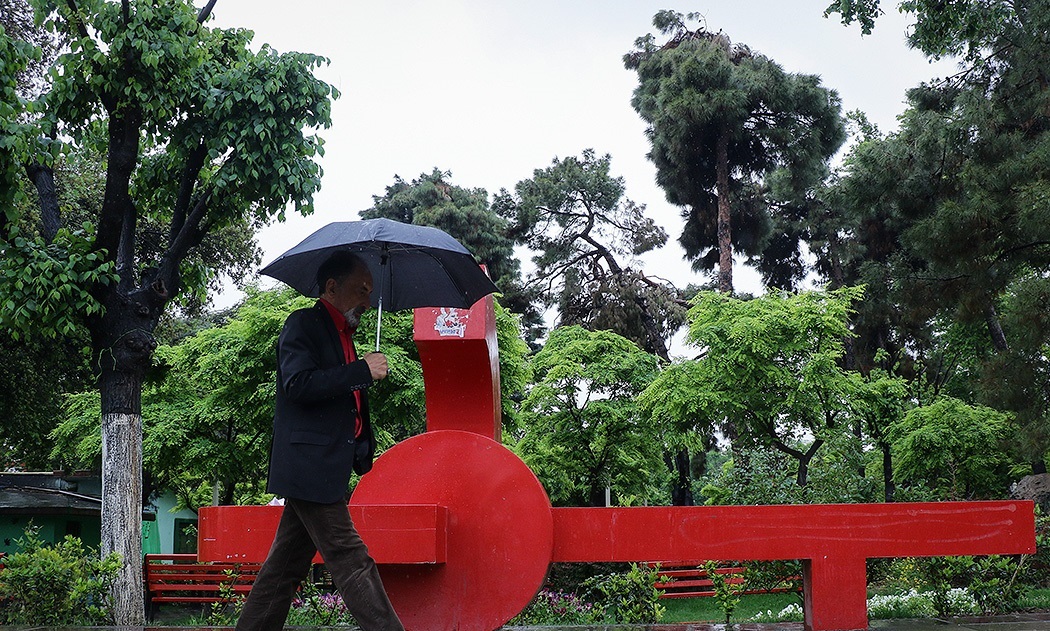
[(707, 610)]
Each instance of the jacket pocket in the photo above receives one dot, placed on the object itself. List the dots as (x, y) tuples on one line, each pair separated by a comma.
[(310, 438)]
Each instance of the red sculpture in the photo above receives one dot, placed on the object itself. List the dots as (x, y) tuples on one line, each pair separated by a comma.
[(464, 532)]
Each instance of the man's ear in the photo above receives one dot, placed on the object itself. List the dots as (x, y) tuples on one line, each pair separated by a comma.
[(329, 285)]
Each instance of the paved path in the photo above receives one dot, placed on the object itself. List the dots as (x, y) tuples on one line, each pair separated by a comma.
[(1017, 622)]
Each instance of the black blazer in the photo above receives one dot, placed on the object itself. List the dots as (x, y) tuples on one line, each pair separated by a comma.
[(314, 450)]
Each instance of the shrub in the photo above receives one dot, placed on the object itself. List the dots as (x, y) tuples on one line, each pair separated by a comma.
[(910, 604), (626, 597), (555, 608), (993, 581), (791, 613), (226, 612), (315, 608), (726, 593), (54, 585)]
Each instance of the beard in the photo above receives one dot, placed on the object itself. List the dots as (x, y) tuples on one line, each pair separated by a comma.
[(353, 316)]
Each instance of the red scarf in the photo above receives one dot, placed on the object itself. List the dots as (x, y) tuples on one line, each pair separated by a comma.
[(346, 336)]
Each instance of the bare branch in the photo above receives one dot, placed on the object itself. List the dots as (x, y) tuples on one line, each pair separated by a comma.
[(194, 164), (189, 236), (205, 11)]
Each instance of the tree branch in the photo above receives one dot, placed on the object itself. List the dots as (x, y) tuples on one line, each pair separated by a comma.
[(43, 177), (205, 11), (122, 159), (75, 17), (194, 164), (167, 278)]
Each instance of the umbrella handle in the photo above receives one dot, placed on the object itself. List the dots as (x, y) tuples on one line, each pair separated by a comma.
[(379, 322)]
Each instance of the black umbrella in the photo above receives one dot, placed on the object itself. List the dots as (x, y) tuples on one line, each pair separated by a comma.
[(412, 266)]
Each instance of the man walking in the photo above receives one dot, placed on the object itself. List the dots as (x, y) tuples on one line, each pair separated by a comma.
[(321, 434)]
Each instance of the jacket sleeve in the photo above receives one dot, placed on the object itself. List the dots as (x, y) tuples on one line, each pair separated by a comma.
[(303, 373)]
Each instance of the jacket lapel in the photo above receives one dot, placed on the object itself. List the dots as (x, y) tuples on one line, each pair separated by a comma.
[(335, 345)]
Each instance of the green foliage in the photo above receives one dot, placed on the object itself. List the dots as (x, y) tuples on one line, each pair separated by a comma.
[(946, 217), (205, 104), (721, 118), (727, 593), (765, 476), (863, 11), (35, 374), (953, 448), (56, 585), (582, 430), (586, 236), (625, 597), (555, 608), (770, 366), (955, 28), (44, 286), (315, 608), (993, 581)]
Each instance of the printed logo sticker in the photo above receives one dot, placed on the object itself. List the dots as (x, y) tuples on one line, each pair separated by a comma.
[(451, 323)]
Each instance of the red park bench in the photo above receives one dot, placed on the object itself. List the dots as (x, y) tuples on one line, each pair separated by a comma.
[(691, 580), (180, 578)]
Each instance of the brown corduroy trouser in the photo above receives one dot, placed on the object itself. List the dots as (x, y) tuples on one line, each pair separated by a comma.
[(305, 528)]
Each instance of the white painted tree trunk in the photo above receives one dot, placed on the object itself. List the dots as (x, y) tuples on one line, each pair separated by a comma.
[(122, 511)]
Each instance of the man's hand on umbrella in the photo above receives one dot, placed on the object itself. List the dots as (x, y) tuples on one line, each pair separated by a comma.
[(377, 364)]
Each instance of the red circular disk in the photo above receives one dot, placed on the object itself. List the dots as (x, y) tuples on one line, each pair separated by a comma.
[(500, 534)]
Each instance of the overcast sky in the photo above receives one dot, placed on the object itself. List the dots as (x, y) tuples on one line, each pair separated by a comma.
[(493, 89)]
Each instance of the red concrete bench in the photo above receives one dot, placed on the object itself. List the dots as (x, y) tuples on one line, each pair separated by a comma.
[(833, 541), (179, 578)]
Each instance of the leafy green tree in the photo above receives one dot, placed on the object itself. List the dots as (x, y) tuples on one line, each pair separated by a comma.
[(947, 214), (946, 28), (34, 376), (584, 433), (954, 449), (879, 405), (770, 365), (759, 475), (17, 20), (721, 118), (199, 133), (586, 235)]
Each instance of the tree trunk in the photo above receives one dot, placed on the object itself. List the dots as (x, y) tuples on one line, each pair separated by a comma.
[(725, 241), (682, 493), (124, 346), (889, 489), (802, 479), (995, 329), (122, 491), (43, 179)]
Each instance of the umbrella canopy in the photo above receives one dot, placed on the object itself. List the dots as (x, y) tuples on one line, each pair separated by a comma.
[(412, 266)]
